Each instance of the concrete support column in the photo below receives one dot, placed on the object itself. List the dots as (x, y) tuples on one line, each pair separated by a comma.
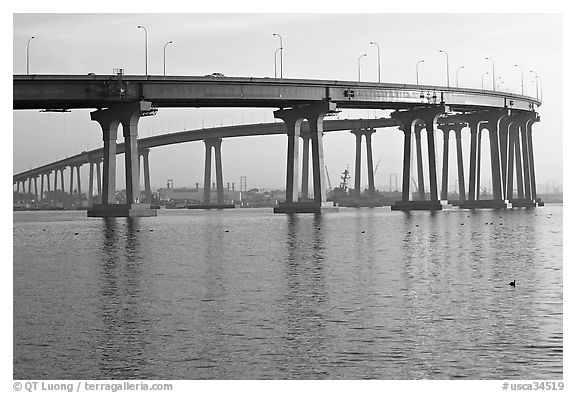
[(109, 124), (473, 153), (478, 163), (525, 161), (131, 159), (358, 162), (219, 178), (99, 179), (409, 119), (29, 196), (207, 170), (71, 199), (444, 192), (41, 187), (293, 120), (503, 132), (146, 164), (55, 184), (432, 161), (531, 156), (406, 162), (48, 190), (128, 115), (369, 161), (305, 166), (459, 158), (495, 161), (419, 166), (91, 183), (510, 164), (315, 118), (519, 174), (63, 187), (79, 185), (35, 189)]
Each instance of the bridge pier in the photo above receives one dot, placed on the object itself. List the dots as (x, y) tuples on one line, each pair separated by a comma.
[(409, 120), (503, 135), (493, 122), (305, 194), (216, 144), (419, 166), (293, 119), (146, 165), (521, 137), (71, 197), (367, 133), (127, 114), (90, 182), (453, 124)]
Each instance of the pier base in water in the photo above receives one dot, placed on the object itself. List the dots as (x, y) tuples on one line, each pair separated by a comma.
[(305, 207), (416, 205), (122, 210), (484, 204), (524, 203), (211, 206)]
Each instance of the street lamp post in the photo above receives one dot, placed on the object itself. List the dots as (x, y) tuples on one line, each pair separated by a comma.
[(417, 64), (483, 75), (275, 53), (360, 57), (500, 81), (165, 45), (28, 55), (145, 46), (521, 77), (493, 74), (378, 48), (281, 52), (459, 68), (536, 79), (447, 68)]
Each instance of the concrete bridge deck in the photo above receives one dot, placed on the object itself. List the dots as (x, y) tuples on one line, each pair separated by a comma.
[(101, 91)]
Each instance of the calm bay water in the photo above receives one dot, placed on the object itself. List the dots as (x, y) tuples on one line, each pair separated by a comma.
[(246, 294)]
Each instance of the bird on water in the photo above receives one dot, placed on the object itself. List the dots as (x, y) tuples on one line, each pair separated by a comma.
[(513, 283)]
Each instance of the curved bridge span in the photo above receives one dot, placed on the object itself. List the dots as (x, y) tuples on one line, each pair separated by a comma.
[(122, 99)]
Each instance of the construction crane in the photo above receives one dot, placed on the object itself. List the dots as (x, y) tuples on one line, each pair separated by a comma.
[(378, 164), (328, 177)]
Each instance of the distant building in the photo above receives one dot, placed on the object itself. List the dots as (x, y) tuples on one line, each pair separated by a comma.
[(195, 195)]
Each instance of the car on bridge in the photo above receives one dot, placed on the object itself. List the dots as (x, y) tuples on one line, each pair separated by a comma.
[(215, 75)]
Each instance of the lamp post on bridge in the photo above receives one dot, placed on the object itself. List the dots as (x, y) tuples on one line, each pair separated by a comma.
[(165, 45), (493, 73), (417, 64), (459, 68), (536, 80), (360, 57), (145, 46), (378, 48), (275, 53), (500, 81), (483, 75), (521, 77), (28, 55), (447, 68), (281, 52)]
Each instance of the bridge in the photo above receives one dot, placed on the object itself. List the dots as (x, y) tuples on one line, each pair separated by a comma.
[(122, 99), (209, 136)]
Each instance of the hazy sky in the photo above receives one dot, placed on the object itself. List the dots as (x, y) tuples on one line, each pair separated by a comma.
[(317, 46)]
